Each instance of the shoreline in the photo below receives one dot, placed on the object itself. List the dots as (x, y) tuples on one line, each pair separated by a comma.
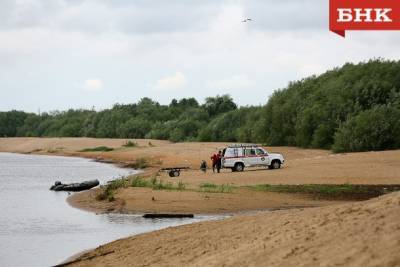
[(243, 230), (193, 202), (164, 153), (75, 201)]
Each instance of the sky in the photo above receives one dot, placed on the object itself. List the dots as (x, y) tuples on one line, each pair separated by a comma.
[(61, 54)]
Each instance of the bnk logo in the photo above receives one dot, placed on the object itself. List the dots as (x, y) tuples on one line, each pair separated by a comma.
[(363, 15)]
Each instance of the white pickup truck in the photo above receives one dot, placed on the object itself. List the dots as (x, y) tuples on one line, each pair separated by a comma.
[(237, 157)]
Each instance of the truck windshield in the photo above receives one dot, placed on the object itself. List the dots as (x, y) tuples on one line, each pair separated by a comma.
[(260, 151)]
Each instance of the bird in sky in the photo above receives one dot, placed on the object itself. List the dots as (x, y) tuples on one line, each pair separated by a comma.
[(246, 20)]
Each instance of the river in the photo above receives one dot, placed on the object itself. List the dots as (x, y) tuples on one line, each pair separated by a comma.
[(39, 228)]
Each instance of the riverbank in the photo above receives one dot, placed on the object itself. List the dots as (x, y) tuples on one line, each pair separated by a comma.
[(206, 243), (302, 166), (147, 200)]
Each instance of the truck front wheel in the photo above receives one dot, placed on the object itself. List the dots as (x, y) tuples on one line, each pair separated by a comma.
[(239, 167), (276, 164)]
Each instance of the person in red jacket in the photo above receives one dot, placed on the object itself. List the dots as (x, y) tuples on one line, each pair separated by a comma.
[(219, 161), (214, 160)]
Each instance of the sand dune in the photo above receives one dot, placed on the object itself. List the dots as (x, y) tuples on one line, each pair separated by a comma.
[(357, 234)]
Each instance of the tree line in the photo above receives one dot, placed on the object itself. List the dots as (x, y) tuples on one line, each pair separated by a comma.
[(352, 108)]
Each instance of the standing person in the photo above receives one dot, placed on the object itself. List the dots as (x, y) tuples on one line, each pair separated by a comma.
[(219, 161), (214, 159)]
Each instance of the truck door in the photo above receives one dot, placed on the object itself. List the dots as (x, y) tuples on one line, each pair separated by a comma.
[(250, 158), (262, 157)]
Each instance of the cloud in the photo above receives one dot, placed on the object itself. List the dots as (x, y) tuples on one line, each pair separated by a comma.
[(234, 82), (93, 85), (287, 15), (58, 41), (159, 16), (176, 81), (130, 17)]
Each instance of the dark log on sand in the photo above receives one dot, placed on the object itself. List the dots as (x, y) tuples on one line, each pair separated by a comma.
[(166, 215)]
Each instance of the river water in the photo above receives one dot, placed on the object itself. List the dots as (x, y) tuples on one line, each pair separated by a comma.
[(39, 228)]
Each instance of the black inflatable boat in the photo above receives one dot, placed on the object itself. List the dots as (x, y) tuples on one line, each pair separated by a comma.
[(58, 186)]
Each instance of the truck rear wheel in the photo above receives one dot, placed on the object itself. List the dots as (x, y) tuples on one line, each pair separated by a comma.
[(174, 173), (239, 167)]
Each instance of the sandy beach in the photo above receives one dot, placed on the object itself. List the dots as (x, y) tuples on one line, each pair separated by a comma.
[(356, 234), (310, 231)]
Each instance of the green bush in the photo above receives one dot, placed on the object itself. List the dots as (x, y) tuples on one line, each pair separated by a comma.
[(130, 144), (310, 112), (108, 191), (315, 112), (106, 194), (374, 129)]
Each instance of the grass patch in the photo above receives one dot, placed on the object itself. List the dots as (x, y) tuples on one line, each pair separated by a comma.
[(130, 144), (214, 188), (97, 149), (181, 186), (108, 192), (140, 182), (330, 191), (208, 185), (309, 188), (156, 184), (160, 185), (140, 163), (119, 183)]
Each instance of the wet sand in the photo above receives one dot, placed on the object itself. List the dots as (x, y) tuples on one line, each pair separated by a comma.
[(146, 200)]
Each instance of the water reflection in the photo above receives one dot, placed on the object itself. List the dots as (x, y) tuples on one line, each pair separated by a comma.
[(139, 220)]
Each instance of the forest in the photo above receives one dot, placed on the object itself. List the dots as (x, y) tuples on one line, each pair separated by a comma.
[(352, 108)]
